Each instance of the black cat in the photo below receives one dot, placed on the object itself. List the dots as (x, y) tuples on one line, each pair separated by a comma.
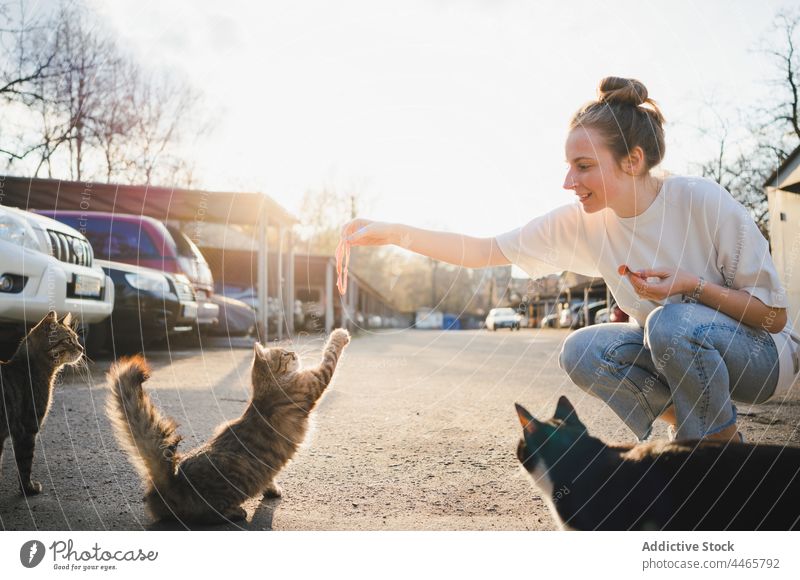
[(677, 485), (26, 383)]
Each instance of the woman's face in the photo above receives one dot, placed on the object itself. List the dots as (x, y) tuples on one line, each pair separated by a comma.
[(594, 175)]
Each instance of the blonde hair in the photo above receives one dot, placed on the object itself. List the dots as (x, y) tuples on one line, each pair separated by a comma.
[(625, 117)]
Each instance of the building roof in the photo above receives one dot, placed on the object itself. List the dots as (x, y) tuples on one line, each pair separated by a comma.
[(787, 176), (161, 203)]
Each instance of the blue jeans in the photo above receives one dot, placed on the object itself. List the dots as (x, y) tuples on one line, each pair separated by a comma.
[(687, 355)]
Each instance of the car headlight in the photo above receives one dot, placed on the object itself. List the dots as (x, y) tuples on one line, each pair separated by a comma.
[(17, 231), (148, 282)]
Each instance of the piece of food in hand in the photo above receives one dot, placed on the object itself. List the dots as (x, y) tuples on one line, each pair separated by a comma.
[(342, 262), (624, 270)]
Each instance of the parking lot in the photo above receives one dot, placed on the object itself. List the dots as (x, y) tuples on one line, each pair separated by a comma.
[(417, 432)]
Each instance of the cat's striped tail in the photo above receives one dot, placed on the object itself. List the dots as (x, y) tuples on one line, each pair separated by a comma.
[(148, 437)]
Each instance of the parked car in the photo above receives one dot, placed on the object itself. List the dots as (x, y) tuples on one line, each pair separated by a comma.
[(593, 307), (149, 305), (194, 265), (503, 318), (46, 265), (249, 295), (549, 321), (617, 315), (236, 318), (602, 316), (613, 314), (569, 316), (146, 242)]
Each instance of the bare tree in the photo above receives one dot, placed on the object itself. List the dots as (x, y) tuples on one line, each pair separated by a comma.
[(743, 163), (784, 114), (23, 69), (90, 111), (323, 212), (163, 107)]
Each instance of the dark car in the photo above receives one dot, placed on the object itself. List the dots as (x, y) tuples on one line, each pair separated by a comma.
[(148, 243), (236, 318), (149, 306)]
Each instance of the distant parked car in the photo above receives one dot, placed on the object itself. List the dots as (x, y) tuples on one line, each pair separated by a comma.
[(236, 318), (249, 295), (613, 314), (503, 318), (617, 315), (46, 265), (149, 305), (145, 242), (569, 316), (593, 307), (549, 321)]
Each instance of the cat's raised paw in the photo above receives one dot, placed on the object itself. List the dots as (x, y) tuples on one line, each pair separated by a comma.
[(340, 335)]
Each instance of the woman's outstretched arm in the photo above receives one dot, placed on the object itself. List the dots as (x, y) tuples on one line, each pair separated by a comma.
[(457, 249)]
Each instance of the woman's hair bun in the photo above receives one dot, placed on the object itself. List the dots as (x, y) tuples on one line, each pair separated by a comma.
[(625, 117), (623, 91)]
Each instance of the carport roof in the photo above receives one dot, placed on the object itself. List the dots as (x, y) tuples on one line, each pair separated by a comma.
[(161, 203)]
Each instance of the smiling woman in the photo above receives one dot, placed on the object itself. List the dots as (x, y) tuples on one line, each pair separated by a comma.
[(682, 258)]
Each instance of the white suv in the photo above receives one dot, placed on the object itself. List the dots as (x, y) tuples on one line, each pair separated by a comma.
[(46, 265)]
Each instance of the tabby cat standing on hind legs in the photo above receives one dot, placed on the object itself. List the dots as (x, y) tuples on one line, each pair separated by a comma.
[(209, 483), (27, 382), (677, 485)]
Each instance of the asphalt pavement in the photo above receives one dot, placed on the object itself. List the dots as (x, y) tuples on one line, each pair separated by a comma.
[(417, 432)]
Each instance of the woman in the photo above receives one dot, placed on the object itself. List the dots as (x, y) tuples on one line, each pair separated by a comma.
[(709, 323)]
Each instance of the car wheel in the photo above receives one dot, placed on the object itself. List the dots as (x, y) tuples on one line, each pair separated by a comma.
[(94, 337)]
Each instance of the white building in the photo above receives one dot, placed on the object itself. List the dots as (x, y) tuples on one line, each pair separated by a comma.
[(783, 195)]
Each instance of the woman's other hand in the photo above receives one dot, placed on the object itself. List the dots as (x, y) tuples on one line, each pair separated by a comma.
[(660, 283)]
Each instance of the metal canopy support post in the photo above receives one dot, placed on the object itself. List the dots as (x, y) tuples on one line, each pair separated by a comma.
[(290, 296), (281, 297), (354, 302), (329, 297), (263, 276), (345, 302), (586, 306)]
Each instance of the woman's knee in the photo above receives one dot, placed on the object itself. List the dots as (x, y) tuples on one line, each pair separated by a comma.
[(667, 326), (580, 353)]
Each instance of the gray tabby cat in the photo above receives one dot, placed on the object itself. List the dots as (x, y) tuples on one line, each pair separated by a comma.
[(27, 382), (208, 484)]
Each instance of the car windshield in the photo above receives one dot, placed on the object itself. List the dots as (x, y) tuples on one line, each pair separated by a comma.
[(114, 239), (503, 312), (186, 247)]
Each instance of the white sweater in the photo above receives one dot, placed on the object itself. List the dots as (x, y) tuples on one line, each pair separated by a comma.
[(694, 224)]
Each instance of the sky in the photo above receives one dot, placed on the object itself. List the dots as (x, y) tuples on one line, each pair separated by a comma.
[(441, 113)]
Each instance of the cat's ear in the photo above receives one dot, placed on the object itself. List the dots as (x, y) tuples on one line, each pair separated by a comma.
[(566, 412), (66, 320), (48, 319), (529, 424), (258, 350)]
